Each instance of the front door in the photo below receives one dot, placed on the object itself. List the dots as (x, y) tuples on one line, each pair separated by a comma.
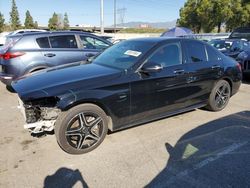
[(157, 93)]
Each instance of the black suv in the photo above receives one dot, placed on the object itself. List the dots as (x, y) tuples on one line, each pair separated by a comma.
[(27, 53), (241, 33)]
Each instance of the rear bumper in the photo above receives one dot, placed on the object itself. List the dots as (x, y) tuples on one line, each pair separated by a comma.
[(6, 78)]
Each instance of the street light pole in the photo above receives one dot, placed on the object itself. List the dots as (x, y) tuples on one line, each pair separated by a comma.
[(101, 24), (114, 16)]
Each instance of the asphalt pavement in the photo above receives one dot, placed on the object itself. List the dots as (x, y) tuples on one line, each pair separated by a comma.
[(193, 149)]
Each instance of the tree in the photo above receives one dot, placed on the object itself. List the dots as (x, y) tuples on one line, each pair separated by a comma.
[(2, 20), (221, 12), (241, 15), (35, 25), (205, 13), (29, 23), (189, 17), (65, 22), (53, 22), (14, 17)]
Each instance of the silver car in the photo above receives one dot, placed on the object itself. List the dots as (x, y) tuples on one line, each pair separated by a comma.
[(27, 53)]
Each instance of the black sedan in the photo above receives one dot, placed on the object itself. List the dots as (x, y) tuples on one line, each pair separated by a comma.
[(132, 82), (244, 59)]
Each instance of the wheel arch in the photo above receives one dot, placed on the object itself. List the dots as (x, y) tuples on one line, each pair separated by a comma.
[(230, 83), (36, 68), (94, 102)]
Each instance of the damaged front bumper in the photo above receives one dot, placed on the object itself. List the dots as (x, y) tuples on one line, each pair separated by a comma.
[(39, 118)]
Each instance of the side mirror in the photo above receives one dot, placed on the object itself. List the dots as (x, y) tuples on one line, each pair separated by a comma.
[(151, 67)]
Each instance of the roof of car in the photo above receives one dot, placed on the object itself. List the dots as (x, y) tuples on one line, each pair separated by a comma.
[(54, 32), (161, 39)]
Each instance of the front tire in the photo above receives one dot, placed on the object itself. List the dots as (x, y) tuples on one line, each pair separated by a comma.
[(81, 129), (219, 96)]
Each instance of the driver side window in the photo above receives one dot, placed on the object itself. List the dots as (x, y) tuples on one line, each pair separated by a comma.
[(167, 55)]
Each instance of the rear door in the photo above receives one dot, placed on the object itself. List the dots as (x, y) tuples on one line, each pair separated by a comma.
[(92, 45), (155, 94), (203, 72), (60, 49)]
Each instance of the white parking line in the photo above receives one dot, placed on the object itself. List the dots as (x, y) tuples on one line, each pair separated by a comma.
[(203, 163)]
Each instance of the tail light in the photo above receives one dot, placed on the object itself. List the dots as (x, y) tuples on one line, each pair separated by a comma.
[(239, 66), (10, 55)]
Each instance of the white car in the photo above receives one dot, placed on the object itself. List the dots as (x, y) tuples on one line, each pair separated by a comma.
[(3, 35)]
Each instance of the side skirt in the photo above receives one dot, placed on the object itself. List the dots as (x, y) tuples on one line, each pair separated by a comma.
[(162, 116)]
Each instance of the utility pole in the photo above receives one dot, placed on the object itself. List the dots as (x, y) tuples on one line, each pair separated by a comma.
[(121, 12), (102, 24), (114, 16)]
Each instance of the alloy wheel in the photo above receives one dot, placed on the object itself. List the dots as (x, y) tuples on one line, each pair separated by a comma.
[(84, 130), (222, 95)]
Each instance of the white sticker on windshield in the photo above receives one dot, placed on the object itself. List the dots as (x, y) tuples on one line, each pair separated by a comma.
[(132, 53)]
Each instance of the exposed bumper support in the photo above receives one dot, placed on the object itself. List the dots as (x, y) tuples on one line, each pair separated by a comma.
[(40, 126)]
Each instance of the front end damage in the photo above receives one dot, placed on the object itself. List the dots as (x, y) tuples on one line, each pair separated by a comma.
[(40, 114)]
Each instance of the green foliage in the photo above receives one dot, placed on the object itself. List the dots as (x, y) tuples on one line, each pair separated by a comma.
[(221, 12), (2, 20), (241, 16), (53, 22), (14, 17), (29, 23), (65, 22), (189, 16), (142, 30), (35, 25), (205, 15)]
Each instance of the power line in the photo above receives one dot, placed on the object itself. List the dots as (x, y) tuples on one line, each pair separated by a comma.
[(121, 12)]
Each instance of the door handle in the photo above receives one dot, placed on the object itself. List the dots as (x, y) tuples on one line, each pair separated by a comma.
[(179, 71), (215, 67), (49, 55), (122, 96)]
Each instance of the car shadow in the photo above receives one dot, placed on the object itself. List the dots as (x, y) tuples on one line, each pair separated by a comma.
[(246, 79), (10, 89), (65, 178), (216, 154)]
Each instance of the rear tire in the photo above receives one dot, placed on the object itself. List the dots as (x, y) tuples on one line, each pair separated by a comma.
[(81, 129), (219, 96)]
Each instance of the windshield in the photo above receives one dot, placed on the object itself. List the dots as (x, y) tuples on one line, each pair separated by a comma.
[(124, 54), (220, 44)]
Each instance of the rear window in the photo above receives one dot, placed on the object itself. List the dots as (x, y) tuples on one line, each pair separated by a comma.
[(43, 42), (10, 41), (64, 41)]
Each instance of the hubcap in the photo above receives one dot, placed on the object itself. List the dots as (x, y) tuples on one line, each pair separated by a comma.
[(222, 96), (84, 130)]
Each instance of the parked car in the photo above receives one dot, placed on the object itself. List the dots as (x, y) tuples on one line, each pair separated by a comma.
[(244, 59), (220, 44), (27, 53), (241, 33), (3, 38), (230, 47), (130, 83), (109, 38), (19, 31)]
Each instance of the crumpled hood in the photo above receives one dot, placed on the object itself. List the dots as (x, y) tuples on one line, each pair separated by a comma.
[(59, 80)]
